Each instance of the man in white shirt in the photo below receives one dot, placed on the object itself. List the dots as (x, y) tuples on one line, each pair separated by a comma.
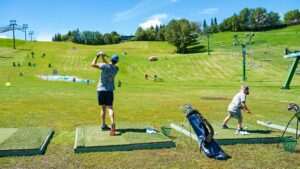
[(106, 87), (234, 109)]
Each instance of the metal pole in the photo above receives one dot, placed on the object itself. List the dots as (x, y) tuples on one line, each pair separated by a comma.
[(208, 44), (14, 36), (25, 26), (30, 34), (13, 23), (244, 63), (291, 73)]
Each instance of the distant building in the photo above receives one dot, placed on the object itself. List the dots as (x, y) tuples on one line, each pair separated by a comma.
[(125, 37)]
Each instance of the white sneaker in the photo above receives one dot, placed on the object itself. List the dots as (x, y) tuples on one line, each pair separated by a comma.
[(242, 132)]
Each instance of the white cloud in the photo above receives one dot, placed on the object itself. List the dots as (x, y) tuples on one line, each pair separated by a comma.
[(3, 36), (154, 20), (150, 23), (45, 36), (209, 11)]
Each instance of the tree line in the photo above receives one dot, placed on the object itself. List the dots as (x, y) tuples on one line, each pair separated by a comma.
[(182, 33), (88, 37), (258, 19)]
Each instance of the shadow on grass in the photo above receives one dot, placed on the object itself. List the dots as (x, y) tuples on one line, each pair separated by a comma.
[(135, 130), (196, 47), (5, 57), (260, 131), (214, 98)]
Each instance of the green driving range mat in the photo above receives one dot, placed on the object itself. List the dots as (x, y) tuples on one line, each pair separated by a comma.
[(257, 134), (91, 138), (24, 141)]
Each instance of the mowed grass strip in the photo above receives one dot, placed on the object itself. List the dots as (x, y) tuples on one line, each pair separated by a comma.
[(26, 138)]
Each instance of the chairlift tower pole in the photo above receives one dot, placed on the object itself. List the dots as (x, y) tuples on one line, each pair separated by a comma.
[(25, 26), (208, 42), (244, 78), (244, 46), (208, 52), (30, 34), (13, 24), (292, 70)]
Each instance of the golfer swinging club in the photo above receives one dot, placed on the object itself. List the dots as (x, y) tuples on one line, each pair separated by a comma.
[(106, 87), (234, 109)]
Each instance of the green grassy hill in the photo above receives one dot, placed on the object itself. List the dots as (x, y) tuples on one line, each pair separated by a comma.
[(188, 78)]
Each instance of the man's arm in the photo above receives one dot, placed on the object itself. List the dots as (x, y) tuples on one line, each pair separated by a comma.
[(245, 108), (103, 58), (94, 62)]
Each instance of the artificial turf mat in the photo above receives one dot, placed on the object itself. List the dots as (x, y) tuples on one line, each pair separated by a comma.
[(91, 138), (24, 141)]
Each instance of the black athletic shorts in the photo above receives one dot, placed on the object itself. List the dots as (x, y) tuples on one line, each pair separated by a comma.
[(105, 98)]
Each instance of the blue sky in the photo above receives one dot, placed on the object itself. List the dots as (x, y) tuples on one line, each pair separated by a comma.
[(47, 17)]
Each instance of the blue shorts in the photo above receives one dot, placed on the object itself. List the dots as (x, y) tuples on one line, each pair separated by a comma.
[(105, 98)]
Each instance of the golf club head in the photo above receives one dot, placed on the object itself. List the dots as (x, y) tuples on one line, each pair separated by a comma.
[(186, 109), (293, 106), (286, 51)]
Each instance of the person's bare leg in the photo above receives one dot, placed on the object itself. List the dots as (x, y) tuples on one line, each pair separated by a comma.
[(226, 120), (240, 123), (111, 115), (103, 113), (112, 119)]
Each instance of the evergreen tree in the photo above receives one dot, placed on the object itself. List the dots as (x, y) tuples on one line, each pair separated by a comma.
[(215, 21), (214, 25), (204, 25)]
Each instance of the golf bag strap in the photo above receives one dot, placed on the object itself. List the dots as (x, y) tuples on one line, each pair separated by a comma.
[(211, 132)]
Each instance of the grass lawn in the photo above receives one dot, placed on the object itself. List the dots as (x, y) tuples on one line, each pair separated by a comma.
[(188, 78)]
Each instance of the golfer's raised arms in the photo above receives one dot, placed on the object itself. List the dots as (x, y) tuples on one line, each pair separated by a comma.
[(94, 62)]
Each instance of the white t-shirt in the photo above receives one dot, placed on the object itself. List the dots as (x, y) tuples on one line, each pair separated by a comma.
[(236, 103), (106, 80)]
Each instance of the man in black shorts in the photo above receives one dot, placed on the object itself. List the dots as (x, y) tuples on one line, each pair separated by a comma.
[(106, 87)]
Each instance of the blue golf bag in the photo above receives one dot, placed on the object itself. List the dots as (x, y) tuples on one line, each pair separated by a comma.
[(205, 132)]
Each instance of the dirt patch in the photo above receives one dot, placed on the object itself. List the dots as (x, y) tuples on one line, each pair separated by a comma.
[(214, 98)]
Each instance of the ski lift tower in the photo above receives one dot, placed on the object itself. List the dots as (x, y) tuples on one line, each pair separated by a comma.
[(244, 46), (13, 24), (30, 34), (25, 26), (12, 27), (290, 54), (208, 42)]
